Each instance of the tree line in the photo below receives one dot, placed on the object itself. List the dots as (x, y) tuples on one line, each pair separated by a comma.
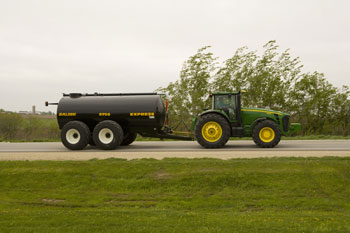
[(17, 127), (271, 79)]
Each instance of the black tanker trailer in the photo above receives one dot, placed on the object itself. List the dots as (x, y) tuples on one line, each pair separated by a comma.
[(111, 120)]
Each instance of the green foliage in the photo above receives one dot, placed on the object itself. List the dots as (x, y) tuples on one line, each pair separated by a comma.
[(176, 195), (190, 95), (10, 123), (266, 78), (15, 127), (31, 126), (272, 80)]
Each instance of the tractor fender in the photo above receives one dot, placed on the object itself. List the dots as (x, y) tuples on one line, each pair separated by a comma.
[(258, 120), (216, 112)]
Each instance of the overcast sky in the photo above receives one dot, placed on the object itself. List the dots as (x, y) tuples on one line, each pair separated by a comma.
[(51, 47)]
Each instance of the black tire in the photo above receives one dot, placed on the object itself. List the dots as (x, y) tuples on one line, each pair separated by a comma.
[(204, 138), (269, 141), (75, 135), (108, 135), (91, 141), (128, 139)]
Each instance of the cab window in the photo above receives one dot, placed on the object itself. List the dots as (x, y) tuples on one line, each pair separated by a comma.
[(226, 103)]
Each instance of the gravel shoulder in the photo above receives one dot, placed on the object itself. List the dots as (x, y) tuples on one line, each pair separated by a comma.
[(60, 156)]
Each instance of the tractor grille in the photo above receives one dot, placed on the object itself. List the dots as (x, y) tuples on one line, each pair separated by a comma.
[(285, 122)]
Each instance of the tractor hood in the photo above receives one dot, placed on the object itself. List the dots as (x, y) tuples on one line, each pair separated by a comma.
[(250, 115), (262, 111)]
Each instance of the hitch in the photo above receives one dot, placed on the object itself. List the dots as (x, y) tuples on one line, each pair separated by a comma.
[(47, 103)]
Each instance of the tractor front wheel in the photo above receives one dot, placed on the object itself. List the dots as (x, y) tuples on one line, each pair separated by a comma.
[(266, 134), (212, 131)]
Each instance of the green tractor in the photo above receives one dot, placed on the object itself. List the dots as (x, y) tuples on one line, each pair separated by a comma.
[(227, 118)]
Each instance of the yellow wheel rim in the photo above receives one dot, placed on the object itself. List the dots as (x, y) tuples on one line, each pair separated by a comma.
[(211, 131), (266, 134)]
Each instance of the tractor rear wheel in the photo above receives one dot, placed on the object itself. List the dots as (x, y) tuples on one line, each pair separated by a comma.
[(266, 134), (108, 135), (212, 131)]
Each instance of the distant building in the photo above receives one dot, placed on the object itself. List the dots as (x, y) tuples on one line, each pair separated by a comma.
[(24, 112)]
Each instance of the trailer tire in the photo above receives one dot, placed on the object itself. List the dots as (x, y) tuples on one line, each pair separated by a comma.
[(212, 131), (266, 134), (75, 135), (91, 141), (108, 135), (128, 139)]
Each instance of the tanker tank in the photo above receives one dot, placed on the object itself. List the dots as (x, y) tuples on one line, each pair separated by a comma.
[(111, 120), (143, 112)]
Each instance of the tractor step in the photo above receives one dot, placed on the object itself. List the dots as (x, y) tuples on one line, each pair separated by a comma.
[(237, 132)]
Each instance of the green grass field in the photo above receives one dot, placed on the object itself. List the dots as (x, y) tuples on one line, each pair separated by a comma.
[(176, 195)]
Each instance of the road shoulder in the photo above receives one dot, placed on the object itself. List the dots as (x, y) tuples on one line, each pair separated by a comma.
[(60, 156)]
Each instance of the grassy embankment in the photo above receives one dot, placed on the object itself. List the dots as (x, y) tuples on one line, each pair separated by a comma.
[(176, 195)]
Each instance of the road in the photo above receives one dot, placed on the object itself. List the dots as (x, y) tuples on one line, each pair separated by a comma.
[(188, 149), (164, 146)]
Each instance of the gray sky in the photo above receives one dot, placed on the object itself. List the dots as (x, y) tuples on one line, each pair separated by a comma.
[(53, 46)]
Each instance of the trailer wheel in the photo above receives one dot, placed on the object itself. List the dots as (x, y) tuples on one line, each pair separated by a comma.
[(212, 131), (75, 135), (108, 135), (266, 134), (128, 139)]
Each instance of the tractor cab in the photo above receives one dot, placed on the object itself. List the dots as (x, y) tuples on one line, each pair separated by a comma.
[(229, 104)]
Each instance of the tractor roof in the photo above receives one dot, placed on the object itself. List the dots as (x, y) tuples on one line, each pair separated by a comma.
[(227, 93)]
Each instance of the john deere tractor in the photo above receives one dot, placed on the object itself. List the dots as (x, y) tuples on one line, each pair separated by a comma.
[(227, 118)]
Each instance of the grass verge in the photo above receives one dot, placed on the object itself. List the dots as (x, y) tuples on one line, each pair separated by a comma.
[(176, 195)]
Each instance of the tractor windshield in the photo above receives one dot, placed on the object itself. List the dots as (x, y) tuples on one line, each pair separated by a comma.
[(227, 103)]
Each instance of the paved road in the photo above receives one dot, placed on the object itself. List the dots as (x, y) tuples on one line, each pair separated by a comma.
[(182, 146), (175, 149)]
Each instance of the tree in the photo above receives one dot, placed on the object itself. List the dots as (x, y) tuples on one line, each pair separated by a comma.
[(341, 111), (10, 123), (266, 78), (190, 95), (235, 72), (319, 106), (31, 126)]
